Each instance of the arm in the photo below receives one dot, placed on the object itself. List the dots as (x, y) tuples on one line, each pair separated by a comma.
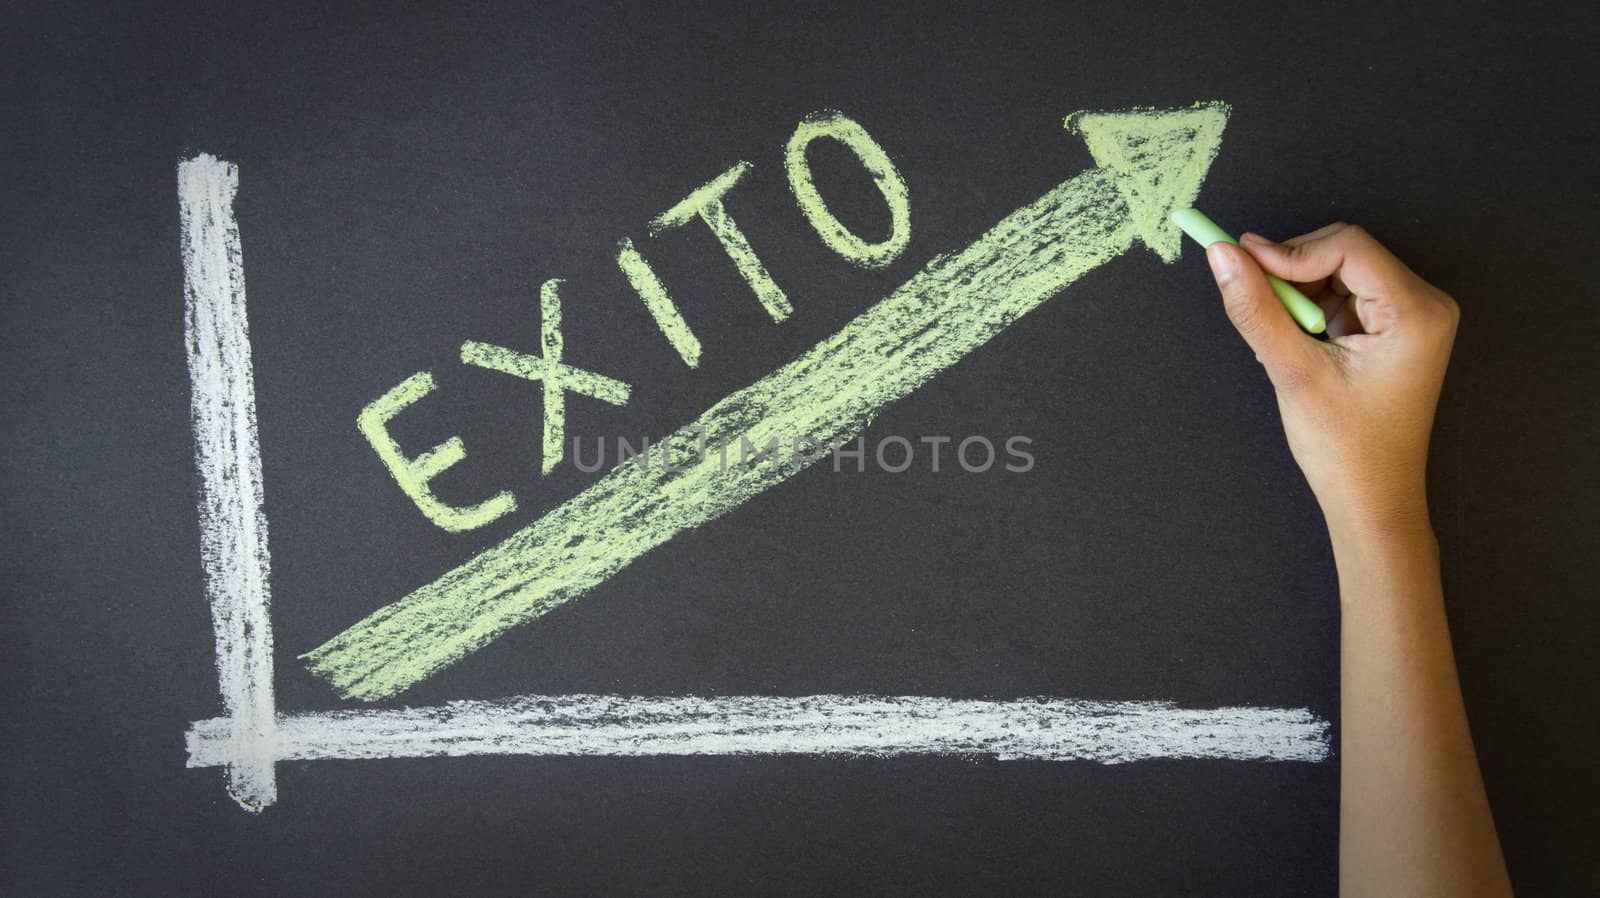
[(1357, 411)]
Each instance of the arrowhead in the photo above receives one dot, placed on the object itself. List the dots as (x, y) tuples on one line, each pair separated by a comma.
[(1160, 157)]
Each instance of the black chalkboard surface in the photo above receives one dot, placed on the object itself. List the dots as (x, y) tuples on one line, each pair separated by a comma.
[(319, 587)]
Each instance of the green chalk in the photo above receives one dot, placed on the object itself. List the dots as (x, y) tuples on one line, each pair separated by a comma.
[(1205, 232)]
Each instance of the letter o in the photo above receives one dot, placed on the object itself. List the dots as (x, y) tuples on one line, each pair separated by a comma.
[(961, 454), (890, 183), (900, 441)]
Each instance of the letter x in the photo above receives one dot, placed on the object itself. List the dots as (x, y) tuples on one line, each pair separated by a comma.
[(557, 378)]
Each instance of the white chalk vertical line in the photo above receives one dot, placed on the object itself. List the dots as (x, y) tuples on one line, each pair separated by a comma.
[(233, 525)]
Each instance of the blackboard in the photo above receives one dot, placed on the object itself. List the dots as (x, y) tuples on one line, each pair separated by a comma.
[(408, 179)]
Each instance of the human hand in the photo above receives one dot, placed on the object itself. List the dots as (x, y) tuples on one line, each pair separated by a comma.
[(1357, 409)]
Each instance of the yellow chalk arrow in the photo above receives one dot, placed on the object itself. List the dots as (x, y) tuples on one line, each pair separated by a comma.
[(1150, 162)]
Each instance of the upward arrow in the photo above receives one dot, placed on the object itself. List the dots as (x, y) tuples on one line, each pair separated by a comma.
[(1149, 163), (1160, 159)]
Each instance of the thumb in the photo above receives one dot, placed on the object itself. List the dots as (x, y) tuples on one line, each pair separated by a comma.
[(1279, 344)]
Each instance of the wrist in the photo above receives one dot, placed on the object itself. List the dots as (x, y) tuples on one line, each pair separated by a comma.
[(1372, 551), (1389, 540), (1379, 523), (1357, 507)]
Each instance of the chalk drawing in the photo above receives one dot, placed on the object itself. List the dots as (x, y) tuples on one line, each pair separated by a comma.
[(413, 474), (1147, 149), (665, 312), (890, 183), (956, 304), (233, 526), (1044, 729), (556, 378), (706, 203)]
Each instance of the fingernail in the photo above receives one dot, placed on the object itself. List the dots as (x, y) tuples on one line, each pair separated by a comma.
[(1253, 237), (1224, 267)]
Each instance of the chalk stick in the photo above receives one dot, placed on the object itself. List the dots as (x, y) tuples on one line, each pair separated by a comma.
[(1205, 232)]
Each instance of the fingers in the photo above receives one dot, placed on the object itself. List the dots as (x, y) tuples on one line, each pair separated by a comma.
[(1338, 311), (1348, 256), (1331, 284), (1383, 292), (1283, 349), (1319, 233)]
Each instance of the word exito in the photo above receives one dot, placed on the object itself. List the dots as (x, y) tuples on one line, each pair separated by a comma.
[(557, 378), (893, 454)]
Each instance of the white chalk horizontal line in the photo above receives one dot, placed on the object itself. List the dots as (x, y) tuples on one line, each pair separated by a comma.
[(1052, 729)]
